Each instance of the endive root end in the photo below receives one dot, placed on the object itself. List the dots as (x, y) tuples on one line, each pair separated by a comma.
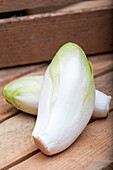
[(102, 105), (41, 146)]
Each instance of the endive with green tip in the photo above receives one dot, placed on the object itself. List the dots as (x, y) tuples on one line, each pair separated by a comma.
[(66, 97), (66, 100), (24, 94)]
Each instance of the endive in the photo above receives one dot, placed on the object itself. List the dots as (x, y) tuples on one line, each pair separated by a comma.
[(66, 100), (24, 94)]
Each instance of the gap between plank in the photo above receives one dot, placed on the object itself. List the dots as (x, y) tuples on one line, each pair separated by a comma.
[(104, 72), (10, 116), (48, 62), (31, 64), (21, 159), (27, 72), (101, 53)]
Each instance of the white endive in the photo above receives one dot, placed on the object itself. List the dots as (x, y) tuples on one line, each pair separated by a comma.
[(24, 93), (66, 100)]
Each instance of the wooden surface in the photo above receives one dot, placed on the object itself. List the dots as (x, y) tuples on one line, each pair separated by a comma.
[(15, 5), (91, 151), (36, 38)]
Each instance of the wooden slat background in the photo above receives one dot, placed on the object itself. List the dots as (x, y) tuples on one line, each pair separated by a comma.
[(36, 38), (16, 127)]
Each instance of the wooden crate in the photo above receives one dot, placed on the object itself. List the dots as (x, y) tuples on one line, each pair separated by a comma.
[(36, 38), (28, 40)]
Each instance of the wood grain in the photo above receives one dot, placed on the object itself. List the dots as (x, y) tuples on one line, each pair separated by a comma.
[(16, 5), (15, 138), (85, 5), (37, 38), (101, 63), (18, 143), (104, 83), (92, 150), (8, 74)]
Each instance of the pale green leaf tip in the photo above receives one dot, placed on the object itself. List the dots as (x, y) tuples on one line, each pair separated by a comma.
[(7, 94), (68, 47), (7, 91), (12, 86), (91, 69)]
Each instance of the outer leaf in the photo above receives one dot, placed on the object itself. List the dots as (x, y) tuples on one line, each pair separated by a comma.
[(24, 93)]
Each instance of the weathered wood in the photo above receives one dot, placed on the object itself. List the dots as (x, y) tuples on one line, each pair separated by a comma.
[(92, 150), (104, 83), (36, 38), (9, 74), (6, 110), (16, 5), (101, 63), (84, 5), (15, 138)]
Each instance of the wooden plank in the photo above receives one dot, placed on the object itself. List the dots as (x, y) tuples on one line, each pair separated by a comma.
[(101, 64), (9, 74), (21, 152), (36, 38), (16, 5), (92, 150), (84, 5), (15, 138), (6, 110), (104, 83)]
